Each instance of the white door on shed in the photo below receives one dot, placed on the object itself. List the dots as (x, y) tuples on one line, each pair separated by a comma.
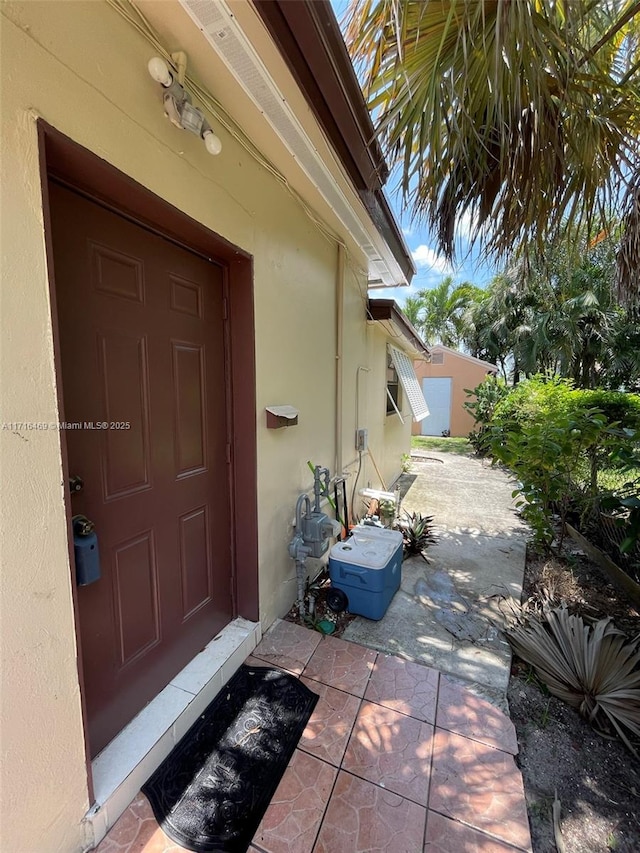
[(437, 393)]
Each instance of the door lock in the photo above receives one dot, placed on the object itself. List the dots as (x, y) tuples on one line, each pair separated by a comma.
[(76, 484), (87, 554)]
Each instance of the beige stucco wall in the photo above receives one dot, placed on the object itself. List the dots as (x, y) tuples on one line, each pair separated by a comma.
[(464, 373), (365, 400), (83, 69)]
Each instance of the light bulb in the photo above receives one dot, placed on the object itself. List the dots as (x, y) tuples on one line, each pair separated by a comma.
[(159, 70), (211, 142)]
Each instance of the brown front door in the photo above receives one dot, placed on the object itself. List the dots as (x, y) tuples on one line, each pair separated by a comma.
[(142, 350)]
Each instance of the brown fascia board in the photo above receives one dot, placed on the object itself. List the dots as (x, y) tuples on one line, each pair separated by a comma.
[(308, 36), (387, 309)]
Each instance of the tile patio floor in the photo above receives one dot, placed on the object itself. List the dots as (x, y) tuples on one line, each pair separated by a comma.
[(396, 757)]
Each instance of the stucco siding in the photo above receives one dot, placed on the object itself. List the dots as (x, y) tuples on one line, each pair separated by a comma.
[(81, 68), (464, 373)]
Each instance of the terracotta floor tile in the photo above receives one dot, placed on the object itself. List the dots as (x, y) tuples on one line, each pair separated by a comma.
[(448, 836), (393, 763), (362, 818), (343, 665), (328, 730), (391, 750), (254, 661), (137, 831), (479, 785), (462, 712), (404, 686), (288, 646), (291, 823)]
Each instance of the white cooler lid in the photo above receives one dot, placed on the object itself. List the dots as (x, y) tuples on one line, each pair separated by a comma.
[(371, 552), (362, 532)]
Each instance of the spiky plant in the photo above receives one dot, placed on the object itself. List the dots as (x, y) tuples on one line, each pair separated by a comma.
[(596, 669), (417, 533)]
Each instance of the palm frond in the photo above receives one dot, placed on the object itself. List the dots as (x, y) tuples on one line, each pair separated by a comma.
[(596, 669), (525, 115)]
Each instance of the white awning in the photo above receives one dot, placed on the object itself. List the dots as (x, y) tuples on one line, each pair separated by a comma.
[(410, 383)]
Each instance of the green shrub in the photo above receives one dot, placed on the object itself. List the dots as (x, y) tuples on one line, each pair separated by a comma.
[(486, 396), (624, 500), (534, 399), (543, 454), (616, 406), (557, 439)]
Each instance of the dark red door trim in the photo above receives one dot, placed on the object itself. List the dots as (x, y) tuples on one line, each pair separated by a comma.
[(70, 163)]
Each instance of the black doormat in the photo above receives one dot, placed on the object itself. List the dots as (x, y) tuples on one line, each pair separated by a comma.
[(211, 792)]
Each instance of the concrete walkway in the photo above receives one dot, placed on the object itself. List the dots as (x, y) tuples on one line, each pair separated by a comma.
[(442, 615)]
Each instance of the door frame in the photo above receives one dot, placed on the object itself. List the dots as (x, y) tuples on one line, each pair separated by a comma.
[(68, 162)]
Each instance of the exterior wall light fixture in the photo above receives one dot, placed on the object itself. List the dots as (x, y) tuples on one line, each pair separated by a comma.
[(177, 102)]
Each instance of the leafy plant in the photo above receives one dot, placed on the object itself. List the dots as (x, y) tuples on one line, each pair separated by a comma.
[(545, 716), (387, 508), (557, 444), (544, 455), (625, 501), (595, 669), (405, 463), (485, 398), (417, 533)]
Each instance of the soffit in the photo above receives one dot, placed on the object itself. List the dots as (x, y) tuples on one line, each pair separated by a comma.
[(309, 38), (239, 63)]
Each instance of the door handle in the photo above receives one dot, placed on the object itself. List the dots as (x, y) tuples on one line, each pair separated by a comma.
[(82, 526)]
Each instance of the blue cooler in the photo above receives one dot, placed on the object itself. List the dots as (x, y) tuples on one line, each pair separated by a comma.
[(367, 568)]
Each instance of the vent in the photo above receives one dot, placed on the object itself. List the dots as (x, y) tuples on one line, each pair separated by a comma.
[(437, 358), (224, 35), (410, 383)]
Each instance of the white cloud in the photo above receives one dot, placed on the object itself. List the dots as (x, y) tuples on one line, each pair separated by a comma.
[(425, 256)]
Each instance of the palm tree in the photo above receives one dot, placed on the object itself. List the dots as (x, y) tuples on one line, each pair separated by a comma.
[(559, 317), (499, 326), (524, 114), (413, 309), (444, 309)]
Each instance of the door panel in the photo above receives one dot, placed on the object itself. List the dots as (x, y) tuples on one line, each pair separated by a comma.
[(437, 393), (126, 463), (189, 408), (142, 344), (195, 558), (136, 597)]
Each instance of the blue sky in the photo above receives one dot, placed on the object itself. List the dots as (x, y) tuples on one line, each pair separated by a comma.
[(431, 268)]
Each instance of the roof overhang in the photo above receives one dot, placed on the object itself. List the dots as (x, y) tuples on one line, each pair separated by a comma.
[(236, 58), (387, 310), (309, 38)]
